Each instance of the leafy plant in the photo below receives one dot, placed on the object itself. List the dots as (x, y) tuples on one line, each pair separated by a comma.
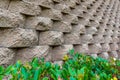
[(75, 67)]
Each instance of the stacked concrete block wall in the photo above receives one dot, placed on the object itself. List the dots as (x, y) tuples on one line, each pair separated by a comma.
[(50, 28)]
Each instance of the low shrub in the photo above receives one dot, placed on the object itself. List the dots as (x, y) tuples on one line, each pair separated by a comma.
[(75, 67)]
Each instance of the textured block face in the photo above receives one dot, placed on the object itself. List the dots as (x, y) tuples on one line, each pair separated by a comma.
[(72, 38), (108, 39), (86, 38), (43, 3), (49, 28), (6, 56), (91, 30), (27, 54), (8, 19), (18, 37), (63, 8), (39, 23), (24, 7), (82, 48), (51, 38), (114, 46), (98, 38), (4, 4), (79, 29), (60, 51), (114, 54), (115, 39), (57, 1), (62, 26), (95, 48), (105, 47), (104, 55), (93, 23), (71, 18), (52, 13)]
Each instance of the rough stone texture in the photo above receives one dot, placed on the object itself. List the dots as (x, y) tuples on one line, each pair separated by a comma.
[(27, 54), (105, 47), (63, 8), (113, 54), (4, 4), (72, 38), (59, 51), (86, 38), (91, 27), (78, 29), (95, 48), (6, 56), (8, 19), (104, 55), (24, 7), (51, 38), (71, 18), (39, 23), (82, 48), (52, 13), (18, 37), (62, 26)]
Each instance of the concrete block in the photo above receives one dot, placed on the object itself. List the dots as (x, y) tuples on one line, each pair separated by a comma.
[(72, 38), (8, 19), (39, 23), (51, 38), (6, 56), (59, 52), (62, 26), (18, 37), (52, 13), (82, 48), (24, 7), (27, 54)]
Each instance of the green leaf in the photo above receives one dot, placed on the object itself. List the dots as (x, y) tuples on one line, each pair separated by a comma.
[(24, 72), (71, 51), (37, 74), (42, 59), (53, 74), (47, 64), (81, 71), (1, 70), (1, 77), (118, 63), (103, 76), (72, 78), (8, 70), (18, 64), (71, 71), (35, 63), (93, 78), (45, 78), (14, 71)]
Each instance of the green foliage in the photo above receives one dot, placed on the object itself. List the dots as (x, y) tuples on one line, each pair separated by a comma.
[(75, 67)]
